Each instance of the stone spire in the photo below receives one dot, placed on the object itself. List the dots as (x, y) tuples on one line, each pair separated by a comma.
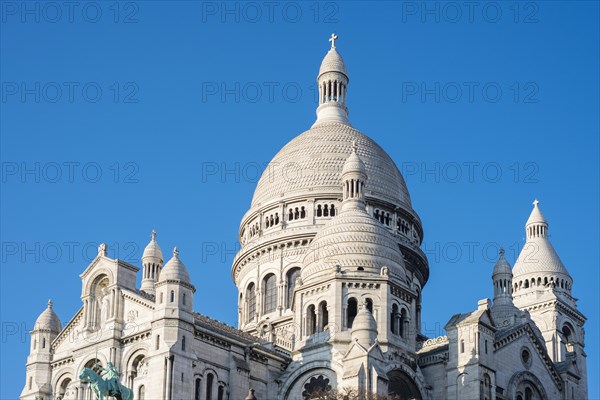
[(354, 177), (333, 83)]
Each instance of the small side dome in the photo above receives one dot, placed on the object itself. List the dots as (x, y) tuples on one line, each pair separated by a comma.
[(364, 327), (502, 266), (174, 270), (48, 320), (153, 250), (354, 164)]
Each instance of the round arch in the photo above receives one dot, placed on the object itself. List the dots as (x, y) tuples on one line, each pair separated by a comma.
[(296, 379), (96, 277), (63, 379), (404, 383), (525, 378)]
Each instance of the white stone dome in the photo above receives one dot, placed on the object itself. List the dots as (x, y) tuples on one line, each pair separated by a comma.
[(174, 270), (352, 240), (312, 163), (153, 250), (364, 327), (539, 258), (48, 320), (333, 62)]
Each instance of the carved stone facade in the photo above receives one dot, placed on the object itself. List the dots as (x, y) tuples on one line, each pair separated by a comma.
[(329, 277)]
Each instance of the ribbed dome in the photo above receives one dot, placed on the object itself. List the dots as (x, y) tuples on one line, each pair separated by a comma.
[(153, 250), (352, 240), (538, 257), (48, 320), (333, 62), (174, 269), (313, 161)]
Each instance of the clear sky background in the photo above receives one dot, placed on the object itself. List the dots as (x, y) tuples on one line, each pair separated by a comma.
[(118, 118)]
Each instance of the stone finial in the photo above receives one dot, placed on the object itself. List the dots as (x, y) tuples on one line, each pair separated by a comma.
[(153, 235), (501, 252), (354, 146), (332, 39), (536, 202), (102, 249), (50, 304), (251, 395), (175, 252)]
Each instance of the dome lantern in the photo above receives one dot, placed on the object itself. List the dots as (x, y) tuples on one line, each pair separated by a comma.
[(333, 83)]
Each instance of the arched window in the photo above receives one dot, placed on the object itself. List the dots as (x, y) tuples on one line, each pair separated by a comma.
[(486, 388), (43, 343), (402, 323), (251, 300), (311, 320), (292, 275), (326, 210), (183, 343), (351, 311), (221, 393), (184, 299), (462, 346), (276, 218), (296, 213), (209, 386), (172, 296), (270, 293), (197, 389), (291, 215), (319, 211), (157, 342), (302, 213), (332, 210), (142, 392), (394, 319), (161, 297), (323, 316), (369, 305)]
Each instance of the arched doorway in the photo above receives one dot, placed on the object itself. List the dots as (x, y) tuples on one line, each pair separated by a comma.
[(402, 387)]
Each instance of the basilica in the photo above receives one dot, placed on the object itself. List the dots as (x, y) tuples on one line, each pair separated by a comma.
[(330, 277)]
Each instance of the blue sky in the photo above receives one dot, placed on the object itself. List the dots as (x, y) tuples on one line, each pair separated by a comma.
[(118, 118)]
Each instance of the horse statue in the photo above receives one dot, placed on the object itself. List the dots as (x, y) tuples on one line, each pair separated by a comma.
[(101, 387)]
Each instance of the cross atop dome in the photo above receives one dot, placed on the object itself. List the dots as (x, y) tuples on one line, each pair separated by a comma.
[(536, 202), (153, 235), (332, 39)]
